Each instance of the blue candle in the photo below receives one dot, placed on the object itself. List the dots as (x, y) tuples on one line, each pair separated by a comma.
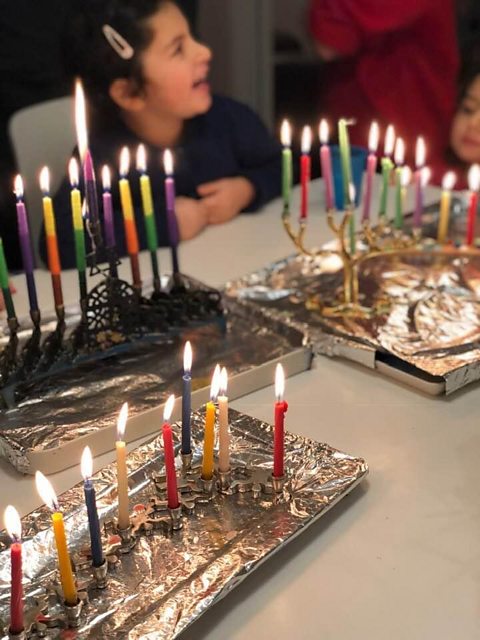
[(186, 399), (91, 503)]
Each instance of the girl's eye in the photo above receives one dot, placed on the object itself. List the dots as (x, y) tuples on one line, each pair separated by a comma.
[(467, 109), (178, 49)]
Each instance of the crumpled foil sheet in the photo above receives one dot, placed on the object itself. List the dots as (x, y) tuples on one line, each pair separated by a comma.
[(433, 323), (87, 398), (166, 583)]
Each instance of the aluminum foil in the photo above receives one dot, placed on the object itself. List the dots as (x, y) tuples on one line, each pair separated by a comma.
[(432, 327), (85, 399), (166, 582)]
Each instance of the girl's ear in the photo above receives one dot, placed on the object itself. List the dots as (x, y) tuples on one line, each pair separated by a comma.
[(123, 92)]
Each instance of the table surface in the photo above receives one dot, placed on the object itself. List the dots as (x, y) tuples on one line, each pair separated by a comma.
[(400, 556)]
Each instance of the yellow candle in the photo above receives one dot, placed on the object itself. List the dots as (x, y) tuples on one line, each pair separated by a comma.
[(47, 494), (448, 183), (49, 222), (209, 437), (122, 476), (223, 430), (127, 204)]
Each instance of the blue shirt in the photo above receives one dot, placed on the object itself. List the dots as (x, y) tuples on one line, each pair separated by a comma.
[(229, 140)]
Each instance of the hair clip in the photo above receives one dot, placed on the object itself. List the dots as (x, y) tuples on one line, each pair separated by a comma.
[(118, 42)]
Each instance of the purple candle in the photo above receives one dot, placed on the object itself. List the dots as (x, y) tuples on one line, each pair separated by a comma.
[(107, 208), (371, 168), (170, 205), (25, 244), (326, 162)]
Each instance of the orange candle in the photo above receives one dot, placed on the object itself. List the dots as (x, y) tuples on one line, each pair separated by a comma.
[(209, 437), (51, 238), (131, 237)]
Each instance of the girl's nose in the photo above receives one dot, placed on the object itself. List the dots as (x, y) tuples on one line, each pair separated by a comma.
[(204, 53)]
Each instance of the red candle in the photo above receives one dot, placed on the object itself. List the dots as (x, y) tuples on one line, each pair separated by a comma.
[(14, 528), (305, 170), (326, 164), (371, 168), (170, 472), (279, 429), (473, 185)]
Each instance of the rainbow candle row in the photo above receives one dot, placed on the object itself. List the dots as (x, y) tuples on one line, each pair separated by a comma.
[(218, 395), (392, 160)]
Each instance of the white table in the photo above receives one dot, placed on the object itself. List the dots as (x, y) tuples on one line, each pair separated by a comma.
[(398, 558)]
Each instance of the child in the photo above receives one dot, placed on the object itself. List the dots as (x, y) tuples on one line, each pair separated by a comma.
[(465, 129), (146, 81)]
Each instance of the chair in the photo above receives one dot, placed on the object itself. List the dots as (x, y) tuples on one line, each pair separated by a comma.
[(43, 134)]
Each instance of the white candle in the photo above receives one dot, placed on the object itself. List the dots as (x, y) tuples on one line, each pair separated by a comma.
[(224, 432), (122, 477)]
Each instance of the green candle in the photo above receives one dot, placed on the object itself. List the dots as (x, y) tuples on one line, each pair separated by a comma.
[(387, 166), (78, 230), (148, 213), (398, 199), (346, 160), (287, 171), (5, 285)]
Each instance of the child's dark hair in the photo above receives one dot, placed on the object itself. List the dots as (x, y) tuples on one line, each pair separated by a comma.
[(91, 57)]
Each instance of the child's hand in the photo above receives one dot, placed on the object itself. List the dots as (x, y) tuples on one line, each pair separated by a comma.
[(225, 198), (191, 217)]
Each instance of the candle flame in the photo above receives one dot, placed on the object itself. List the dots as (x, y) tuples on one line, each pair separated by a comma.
[(306, 140), (474, 177), (141, 158), (124, 162), (86, 464), (420, 153), (46, 492), (13, 524), (18, 186), (286, 134), (389, 141), (187, 357), (168, 162), (45, 180), (373, 137), (215, 386), (405, 176), (73, 172), (399, 152), (448, 181), (425, 175), (323, 132), (106, 179), (223, 382), (279, 382), (168, 408), (81, 120), (122, 421)]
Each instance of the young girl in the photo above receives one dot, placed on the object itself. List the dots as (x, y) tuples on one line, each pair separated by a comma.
[(146, 81), (465, 130)]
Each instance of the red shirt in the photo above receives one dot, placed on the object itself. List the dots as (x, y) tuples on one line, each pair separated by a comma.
[(399, 65)]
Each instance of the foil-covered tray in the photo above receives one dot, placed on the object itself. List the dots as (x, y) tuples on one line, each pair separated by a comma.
[(59, 415), (168, 580), (429, 336)]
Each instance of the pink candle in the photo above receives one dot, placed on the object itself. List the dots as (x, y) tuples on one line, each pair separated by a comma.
[(418, 180), (279, 428), (326, 164), (371, 168), (305, 170), (14, 529), (169, 454), (107, 208), (473, 185)]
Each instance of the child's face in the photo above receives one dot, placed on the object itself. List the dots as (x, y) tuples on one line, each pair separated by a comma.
[(175, 68), (465, 132)]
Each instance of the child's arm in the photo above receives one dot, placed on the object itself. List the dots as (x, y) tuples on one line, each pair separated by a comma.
[(223, 199)]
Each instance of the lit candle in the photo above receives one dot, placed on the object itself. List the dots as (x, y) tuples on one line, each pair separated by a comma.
[(148, 213), (287, 170), (78, 230), (346, 163), (131, 237), (305, 171), (25, 245), (169, 454), (223, 427), (170, 203), (93, 219), (420, 154), (122, 476), (387, 166), (108, 208), (86, 467), (326, 164), (13, 526), (5, 285), (187, 399), (371, 168), (47, 494), (51, 238), (405, 179), (209, 437), (448, 183), (279, 429), (473, 185), (399, 160)]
